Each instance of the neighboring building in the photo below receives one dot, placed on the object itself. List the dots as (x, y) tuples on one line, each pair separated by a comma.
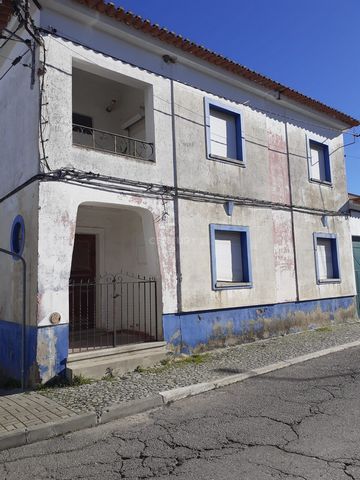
[(354, 212), (171, 194)]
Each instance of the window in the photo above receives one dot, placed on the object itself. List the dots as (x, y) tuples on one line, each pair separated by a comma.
[(80, 121), (17, 238), (223, 132), (319, 162), (326, 256), (230, 257)]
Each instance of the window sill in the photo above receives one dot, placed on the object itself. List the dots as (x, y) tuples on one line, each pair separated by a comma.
[(328, 280), (325, 183), (233, 161), (232, 285)]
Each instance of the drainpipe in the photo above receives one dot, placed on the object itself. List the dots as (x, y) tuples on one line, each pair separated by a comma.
[(23, 333), (176, 206), (292, 213)]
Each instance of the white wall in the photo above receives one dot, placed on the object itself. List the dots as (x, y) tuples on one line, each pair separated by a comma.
[(305, 226), (272, 259), (60, 150), (19, 120), (275, 139), (57, 227), (355, 224), (25, 203), (128, 239)]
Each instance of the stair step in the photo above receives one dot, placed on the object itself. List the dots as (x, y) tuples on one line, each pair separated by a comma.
[(120, 360)]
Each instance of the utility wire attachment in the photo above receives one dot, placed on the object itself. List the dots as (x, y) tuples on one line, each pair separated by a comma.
[(13, 63)]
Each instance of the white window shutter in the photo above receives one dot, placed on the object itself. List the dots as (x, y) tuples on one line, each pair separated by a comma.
[(325, 260), (228, 257), (317, 162), (223, 134)]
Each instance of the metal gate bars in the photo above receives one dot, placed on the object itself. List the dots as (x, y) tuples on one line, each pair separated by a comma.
[(112, 312)]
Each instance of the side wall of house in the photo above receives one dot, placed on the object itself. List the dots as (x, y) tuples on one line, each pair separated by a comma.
[(24, 203), (19, 119), (19, 162)]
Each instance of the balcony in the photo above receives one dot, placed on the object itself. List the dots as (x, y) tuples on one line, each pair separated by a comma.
[(112, 143), (112, 113)]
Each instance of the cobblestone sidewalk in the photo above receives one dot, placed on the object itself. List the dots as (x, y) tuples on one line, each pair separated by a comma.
[(216, 364), (24, 410)]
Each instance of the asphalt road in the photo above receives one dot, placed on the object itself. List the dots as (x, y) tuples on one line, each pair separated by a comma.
[(302, 422)]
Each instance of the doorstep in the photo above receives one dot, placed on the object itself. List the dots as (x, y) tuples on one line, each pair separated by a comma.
[(119, 360)]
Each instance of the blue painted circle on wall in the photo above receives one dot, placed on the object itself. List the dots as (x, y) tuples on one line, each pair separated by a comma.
[(17, 238)]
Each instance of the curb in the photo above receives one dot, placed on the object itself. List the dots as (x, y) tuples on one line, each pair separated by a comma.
[(127, 409), (176, 394), (47, 430)]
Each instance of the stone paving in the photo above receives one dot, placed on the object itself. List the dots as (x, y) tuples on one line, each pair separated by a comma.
[(26, 410), (21, 411), (216, 364)]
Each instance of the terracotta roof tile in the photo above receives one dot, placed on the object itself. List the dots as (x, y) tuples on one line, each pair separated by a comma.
[(170, 38)]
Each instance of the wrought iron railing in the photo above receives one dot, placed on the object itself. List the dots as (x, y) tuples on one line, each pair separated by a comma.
[(112, 142), (112, 312)]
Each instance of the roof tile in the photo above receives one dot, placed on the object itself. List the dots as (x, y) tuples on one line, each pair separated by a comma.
[(198, 51)]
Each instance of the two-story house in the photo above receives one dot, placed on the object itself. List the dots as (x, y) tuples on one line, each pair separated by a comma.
[(160, 194)]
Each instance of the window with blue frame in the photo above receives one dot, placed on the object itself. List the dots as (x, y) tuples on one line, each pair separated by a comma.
[(17, 237), (223, 132), (230, 256), (326, 258), (319, 162)]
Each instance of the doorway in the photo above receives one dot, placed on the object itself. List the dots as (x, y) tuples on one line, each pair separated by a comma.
[(114, 288), (83, 273)]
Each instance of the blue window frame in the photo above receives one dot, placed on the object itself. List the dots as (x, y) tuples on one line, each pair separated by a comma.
[(319, 162), (224, 140), (17, 237), (326, 258), (230, 257)]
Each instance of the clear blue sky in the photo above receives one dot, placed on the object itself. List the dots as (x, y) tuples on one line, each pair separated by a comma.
[(309, 45)]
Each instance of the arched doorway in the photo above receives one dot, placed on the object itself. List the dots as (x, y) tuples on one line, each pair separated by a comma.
[(115, 284)]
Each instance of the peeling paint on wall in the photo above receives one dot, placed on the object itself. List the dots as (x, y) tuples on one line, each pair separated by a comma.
[(52, 351), (199, 331), (278, 168)]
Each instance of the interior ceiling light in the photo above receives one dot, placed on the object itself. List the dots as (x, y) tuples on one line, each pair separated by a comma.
[(111, 105)]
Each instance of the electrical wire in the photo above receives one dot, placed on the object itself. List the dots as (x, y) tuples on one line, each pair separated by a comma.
[(7, 39), (247, 136), (91, 179), (55, 33), (14, 63), (164, 192)]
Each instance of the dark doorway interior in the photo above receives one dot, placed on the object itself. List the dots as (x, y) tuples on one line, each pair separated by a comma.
[(83, 272)]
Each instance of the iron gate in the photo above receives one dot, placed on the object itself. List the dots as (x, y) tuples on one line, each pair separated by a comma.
[(112, 312)]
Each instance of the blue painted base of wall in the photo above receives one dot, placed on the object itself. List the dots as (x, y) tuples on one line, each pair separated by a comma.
[(46, 351), (11, 349), (198, 331), (53, 349)]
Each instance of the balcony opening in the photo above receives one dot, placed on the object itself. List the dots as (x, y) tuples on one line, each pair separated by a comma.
[(114, 116)]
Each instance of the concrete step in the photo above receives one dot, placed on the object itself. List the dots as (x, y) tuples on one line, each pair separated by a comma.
[(119, 360)]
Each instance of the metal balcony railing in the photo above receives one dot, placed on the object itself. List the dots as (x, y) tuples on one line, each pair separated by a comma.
[(111, 142)]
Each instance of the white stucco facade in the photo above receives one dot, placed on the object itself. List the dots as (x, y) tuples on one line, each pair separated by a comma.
[(152, 216)]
